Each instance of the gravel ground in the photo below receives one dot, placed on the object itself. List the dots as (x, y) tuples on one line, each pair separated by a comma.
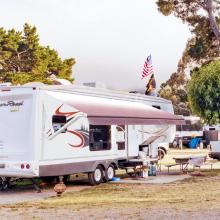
[(19, 194), (113, 213)]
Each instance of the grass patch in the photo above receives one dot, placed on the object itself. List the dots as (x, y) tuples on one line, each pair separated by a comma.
[(193, 193)]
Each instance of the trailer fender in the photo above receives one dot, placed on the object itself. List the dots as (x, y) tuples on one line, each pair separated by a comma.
[(104, 164)]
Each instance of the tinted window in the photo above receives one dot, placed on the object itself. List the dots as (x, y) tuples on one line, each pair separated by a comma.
[(190, 126), (120, 137), (179, 128), (58, 121), (100, 137), (156, 106)]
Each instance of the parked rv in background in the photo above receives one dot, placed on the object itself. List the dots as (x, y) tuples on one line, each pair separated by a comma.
[(192, 128), (215, 149), (50, 131), (212, 137)]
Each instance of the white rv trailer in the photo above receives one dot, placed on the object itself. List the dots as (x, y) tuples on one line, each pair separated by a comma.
[(191, 128), (62, 130)]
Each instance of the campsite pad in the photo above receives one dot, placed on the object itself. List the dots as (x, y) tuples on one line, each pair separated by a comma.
[(25, 194), (159, 179)]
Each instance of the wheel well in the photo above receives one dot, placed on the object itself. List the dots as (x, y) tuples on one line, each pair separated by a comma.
[(104, 168), (101, 165), (162, 148), (114, 164)]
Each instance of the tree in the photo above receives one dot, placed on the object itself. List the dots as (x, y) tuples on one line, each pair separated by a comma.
[(204, 92), (203, 18), (202, 48), (175, 90), (23, 59), (191, 10)]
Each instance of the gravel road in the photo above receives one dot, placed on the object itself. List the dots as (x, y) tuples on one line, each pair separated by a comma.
[(20, 194)]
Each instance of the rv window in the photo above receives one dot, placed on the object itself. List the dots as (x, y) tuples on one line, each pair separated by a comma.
[(100, 137), (58, 122), (120, 137), (190, 126), (178, 128), (156, 106), (120, 128), (121, 145)]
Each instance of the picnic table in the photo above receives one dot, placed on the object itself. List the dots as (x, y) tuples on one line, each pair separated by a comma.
[(137, 166), (184, 161)]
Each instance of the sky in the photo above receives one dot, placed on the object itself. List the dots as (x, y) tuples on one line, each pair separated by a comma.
[(110, 39)]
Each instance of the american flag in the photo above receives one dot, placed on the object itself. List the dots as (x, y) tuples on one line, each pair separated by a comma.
[(148, 67)]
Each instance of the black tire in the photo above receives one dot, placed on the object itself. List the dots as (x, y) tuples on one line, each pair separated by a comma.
[(109, 173), (96, 177), (3, 183), (161, 154)]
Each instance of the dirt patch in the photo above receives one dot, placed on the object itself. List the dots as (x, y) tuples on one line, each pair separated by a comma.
[(159, 179), (20, 194), (197, 197), (194, 198), (112, 213)]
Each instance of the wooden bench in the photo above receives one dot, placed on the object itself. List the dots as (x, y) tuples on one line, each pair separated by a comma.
[(197, 161), (207, 162), (135, 170), (210, 162), (172, 165)]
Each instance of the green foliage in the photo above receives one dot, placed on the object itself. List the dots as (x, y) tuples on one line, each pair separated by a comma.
[(204, 92), (23, 59), (204, 45), (175, 90), (165, 7)]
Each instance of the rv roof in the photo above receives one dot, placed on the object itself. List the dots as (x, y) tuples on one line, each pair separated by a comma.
[(102, 111), (91, 91)]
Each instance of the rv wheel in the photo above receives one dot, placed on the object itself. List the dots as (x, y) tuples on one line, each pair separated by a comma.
[(3, 183), (96, 177), (109, 173)]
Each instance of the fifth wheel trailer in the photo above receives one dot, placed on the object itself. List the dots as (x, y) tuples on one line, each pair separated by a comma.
[(62, 130)]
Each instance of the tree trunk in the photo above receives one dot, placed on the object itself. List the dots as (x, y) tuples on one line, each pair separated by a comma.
[(212, 20), (18, 66)]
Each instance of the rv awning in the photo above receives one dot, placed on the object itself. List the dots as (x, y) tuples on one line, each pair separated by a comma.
[(103, 111)]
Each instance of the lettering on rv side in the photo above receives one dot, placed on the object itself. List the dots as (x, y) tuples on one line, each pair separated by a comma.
[(11, 103)]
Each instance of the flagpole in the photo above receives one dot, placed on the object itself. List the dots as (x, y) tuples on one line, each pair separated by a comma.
[(148, 72)]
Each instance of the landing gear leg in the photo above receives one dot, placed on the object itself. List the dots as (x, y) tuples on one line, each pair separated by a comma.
[(36, 186)]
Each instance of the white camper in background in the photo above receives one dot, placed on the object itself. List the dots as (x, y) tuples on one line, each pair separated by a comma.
[(62, 130), (191, 128)]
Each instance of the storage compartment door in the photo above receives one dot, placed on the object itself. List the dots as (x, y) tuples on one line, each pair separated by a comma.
[(133, 146)]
